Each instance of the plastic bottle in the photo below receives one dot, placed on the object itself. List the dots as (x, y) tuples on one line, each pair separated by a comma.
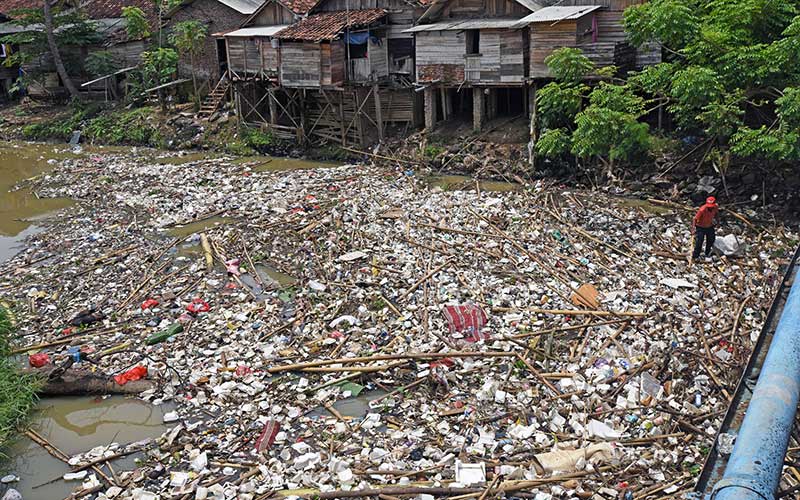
[(173, 329)]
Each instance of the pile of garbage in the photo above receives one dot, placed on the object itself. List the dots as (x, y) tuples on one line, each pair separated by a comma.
[(350, 331)]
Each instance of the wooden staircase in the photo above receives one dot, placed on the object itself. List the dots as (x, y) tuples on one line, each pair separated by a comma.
[(214, 100)]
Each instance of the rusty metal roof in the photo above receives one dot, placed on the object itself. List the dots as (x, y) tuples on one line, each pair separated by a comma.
[(300, 6), (329, 25)]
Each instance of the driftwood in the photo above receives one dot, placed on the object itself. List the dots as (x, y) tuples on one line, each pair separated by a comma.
[(80, 382)]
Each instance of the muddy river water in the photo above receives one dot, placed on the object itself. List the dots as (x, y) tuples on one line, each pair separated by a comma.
[(19, 209)]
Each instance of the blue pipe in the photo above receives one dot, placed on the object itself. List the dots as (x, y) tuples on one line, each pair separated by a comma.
[(754, 468)]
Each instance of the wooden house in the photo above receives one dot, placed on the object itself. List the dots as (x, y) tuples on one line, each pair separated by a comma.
[(400, 16), (474, 56), (329, 48), (107, 17), (219, 16), (341, 71), (594, 29), (252, 51)]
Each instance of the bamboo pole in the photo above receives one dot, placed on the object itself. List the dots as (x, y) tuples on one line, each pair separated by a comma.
[(390, 357), (573, 312)]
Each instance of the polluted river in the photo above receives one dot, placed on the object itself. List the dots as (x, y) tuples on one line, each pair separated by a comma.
[(76, 424), (266, 327)]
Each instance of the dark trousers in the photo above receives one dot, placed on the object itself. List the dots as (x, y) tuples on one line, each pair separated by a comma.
[(703, 233)]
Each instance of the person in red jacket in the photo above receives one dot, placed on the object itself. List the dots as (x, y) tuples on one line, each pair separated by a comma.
[(703, 227)]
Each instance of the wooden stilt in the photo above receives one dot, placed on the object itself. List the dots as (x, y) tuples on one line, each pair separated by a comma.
[(533, 132), (376, 94), (477, 109), (273, 108), (341, 118)]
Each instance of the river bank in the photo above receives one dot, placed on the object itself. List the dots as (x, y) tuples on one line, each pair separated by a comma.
[(299, 289), (678, 170)]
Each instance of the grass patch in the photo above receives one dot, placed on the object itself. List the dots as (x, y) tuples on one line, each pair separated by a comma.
[(129, 127), (17, 390), (61, 127)]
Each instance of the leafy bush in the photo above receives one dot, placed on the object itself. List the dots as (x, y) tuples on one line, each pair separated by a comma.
[(607, 133), (431, 151), (559, 102), (257, 139), (101, 63), (553, 143), (127, 127), (569, 64)]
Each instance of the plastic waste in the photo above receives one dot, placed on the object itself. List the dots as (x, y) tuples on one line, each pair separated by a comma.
[(149, 304), (38, 360), (171, 330), (198, 306), (135, 373)]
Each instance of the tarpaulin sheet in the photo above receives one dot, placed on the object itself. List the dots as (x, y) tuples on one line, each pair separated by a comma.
[(467, 319), (361, 38)]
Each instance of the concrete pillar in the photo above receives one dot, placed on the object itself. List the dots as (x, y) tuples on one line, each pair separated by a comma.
[(430, 108), (477, 109), (443, 95)]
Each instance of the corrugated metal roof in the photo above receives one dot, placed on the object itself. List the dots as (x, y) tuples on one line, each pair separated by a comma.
[(531, 5), (256, 31), (328, 25), (243, 6), (466, 24), (436, 7), (556, 14)]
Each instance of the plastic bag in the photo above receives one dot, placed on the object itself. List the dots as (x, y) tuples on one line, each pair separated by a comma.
[(149, 304), (197, 306), (38, 360), (135, 373)]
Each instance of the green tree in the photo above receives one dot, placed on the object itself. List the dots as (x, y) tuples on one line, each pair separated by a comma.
[(189, 37), (159, 67), (606, 130), (568, 64), (101, 62), (136, 24), (727, 60)]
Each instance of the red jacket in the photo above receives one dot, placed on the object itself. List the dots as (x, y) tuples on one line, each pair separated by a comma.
[(706, 216)]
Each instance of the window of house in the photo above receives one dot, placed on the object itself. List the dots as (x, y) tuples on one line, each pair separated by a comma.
[(357, 51), (3, 52), (473, 42)]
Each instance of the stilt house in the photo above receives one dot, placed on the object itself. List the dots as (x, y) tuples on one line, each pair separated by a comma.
[(341, 72), (472, 58)]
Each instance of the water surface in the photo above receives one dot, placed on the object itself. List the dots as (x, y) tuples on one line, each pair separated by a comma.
[(75, 425)]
